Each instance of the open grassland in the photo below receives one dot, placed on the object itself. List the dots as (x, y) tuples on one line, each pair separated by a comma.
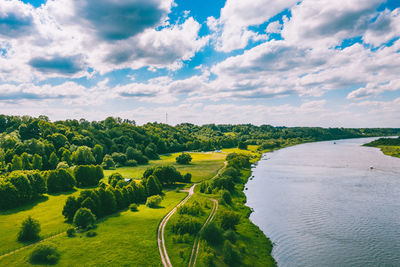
[(47, 211), (180, 248), (204, 165), (123, 239)]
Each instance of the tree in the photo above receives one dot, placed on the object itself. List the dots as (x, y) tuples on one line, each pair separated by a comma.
[(44, 254), (37, 162), (109, 203), (184, 158), (16, 163), (8, 195), (231, 255), (229, 219), (98, 153), (187, 178), (84, 217), (66, 156), (108, 162), (25, 159), (242, 145), (29, 231), (153, 186), (88, 175), (53, 161), (83, 156), (70, 208), (153, 201), (114, 178), (212, 234)]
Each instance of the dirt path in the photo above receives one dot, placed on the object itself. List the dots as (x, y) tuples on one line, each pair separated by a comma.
[(161, 228), (196, 244), (30, 245)]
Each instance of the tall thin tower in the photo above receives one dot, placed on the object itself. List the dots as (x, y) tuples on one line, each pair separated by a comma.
[(166, 118)]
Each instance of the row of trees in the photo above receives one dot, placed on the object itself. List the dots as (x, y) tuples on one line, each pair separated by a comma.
[(20, 187)]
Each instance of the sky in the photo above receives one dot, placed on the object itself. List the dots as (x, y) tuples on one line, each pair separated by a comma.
[(279, 62)]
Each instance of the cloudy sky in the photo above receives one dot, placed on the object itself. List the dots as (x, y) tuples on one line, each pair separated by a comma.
[(279, 62)]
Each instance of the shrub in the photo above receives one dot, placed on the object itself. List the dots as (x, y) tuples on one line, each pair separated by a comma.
[(231, 255), (131, 163), (193, 209), (44, 254), (226, 196), (153, 201), (186, 225), (108, 162), (91, 233), (29, 230), (212, 234), (229, 219), (231, 236), (184, 158), (71, 232), (84, 217), (133, 207)]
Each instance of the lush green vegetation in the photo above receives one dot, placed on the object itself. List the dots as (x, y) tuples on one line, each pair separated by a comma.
[(53, 172), (389, 146)]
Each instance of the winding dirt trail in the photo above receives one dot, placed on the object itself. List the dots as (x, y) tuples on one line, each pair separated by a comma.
[(161, 228), (196, 244)]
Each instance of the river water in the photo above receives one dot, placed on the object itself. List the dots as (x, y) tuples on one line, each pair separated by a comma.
[(322, 205)]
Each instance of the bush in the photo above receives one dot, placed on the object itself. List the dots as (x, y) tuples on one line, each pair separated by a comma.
[(91, 233), (229, 219), (131, 163), (212, 234), (186, 225), (133, 207), (29, 230), (193, 209), (184, 158), (84, 217), (226, 196), (153, 201), (71, 232), (231, 255), (231, 236), (44, 254)]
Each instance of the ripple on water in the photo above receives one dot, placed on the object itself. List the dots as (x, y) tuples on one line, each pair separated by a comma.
[(322, 205)]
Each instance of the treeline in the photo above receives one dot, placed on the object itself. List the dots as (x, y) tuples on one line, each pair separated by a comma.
[(21, 187), (119, 193), (384, 142), (28, 143)]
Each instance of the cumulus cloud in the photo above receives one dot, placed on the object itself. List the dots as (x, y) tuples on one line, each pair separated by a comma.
[(57, 64), (15, 19), (236, 16)]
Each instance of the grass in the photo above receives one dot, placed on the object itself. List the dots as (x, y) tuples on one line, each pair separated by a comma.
[(126, 238), (204, 165), (174, 248), (393, 151), (47, 210)]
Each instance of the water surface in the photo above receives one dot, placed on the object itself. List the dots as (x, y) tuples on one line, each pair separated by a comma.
[(322, 204)]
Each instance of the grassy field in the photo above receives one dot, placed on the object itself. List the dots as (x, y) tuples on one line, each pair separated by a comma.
[(124, 239), (47, 211), (203, 166), (179, 252)]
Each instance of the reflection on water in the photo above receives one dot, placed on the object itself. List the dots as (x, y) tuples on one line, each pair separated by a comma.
[(323, 205)]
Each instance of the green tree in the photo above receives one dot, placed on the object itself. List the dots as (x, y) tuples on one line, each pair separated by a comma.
[(84, 217), (70, 208), (184, 158), (108, 162), (44, 254), (98, 153), (83, 156), (153, 186), (37, 162), (8, 195), (66, 156), (53, 161), (212, 234), (26, 162), (29, 231), (16, 163), (229, 219)]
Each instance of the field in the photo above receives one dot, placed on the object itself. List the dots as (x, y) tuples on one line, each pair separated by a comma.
[(393, 151), (47, 211), (203, 166), (125, 238)]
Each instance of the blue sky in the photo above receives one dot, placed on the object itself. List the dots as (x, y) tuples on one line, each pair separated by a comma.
[(280, 62)]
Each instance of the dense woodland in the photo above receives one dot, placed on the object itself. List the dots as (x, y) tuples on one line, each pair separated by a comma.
[(39, 156)]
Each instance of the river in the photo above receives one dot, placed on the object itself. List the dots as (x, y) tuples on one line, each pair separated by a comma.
[(322, 205)]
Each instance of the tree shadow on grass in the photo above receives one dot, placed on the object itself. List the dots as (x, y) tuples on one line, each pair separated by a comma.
[(63, 193), (26, 207)]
